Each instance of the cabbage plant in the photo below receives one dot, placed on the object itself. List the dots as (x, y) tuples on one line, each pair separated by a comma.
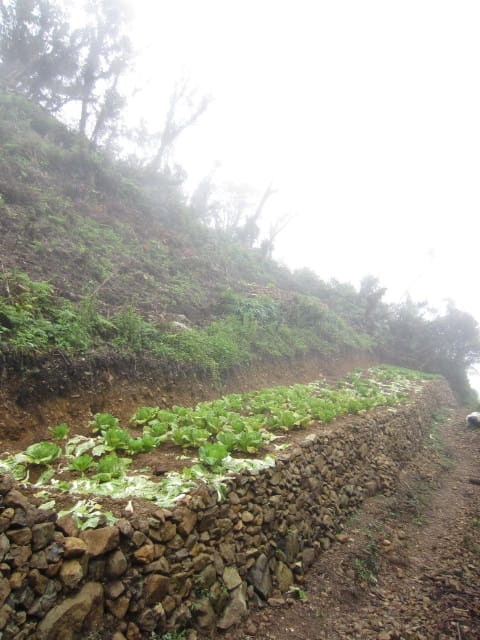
[(43, 452)]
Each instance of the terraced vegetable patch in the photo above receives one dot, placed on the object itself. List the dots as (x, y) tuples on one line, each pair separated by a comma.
[(214, 439)]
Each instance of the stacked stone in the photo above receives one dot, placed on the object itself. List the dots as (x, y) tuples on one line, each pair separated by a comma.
[(203, 563)]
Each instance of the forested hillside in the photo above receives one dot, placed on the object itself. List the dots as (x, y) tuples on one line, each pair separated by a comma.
[(104, 257), (190, 431), (99, 257)]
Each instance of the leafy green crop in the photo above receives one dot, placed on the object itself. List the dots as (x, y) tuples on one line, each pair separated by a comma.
[(103, 421), (111, 466), (228, 439), (60, 432), (88, 515), (43, 452), (16, 466), (144, 415), (212, 454), (250, 441), (218, 429), (116, 439), (78, 445), (158, 430), (144, 444), (190, 436), (82, 463)]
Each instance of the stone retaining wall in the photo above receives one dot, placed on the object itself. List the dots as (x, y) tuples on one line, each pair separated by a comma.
[(202, 564)]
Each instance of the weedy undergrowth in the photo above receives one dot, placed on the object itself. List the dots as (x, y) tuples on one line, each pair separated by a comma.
[(366, 566)]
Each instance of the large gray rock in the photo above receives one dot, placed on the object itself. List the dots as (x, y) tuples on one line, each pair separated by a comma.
[(4, 546), (204, 616), (145, 554), (80, 613), (231, 578), (236, 609), (43, 604), (6, 483), (20, 537), (155, 588), (74, 547), (259, 576), (292, 546), (219, 597), (186, 519), (283, 577), (118, 606), (43, 535), (5, 590), (6, 612)]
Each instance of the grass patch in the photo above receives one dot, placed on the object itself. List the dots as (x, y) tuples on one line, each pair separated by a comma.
[(366, 565), (436, 440), (35, 320)]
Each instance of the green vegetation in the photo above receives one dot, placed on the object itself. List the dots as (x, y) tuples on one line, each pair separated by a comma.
[(214, 434), (436, 440), (83, 463), (43, 452), (366, 566), (87, 515), (79, 233), (298, 593), (60, 432), (170, 635), (34, 320)]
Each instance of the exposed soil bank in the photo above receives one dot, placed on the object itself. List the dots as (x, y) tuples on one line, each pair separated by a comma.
[(60, 390)]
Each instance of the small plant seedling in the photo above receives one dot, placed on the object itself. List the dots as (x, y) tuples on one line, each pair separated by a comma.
[(82, 463), (171, 635), (60, 432), (366, 566), (362, 571), (144, 415), (103, 422), (297, 592)]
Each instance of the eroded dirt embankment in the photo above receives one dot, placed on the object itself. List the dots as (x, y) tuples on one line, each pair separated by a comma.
[(59, 390)]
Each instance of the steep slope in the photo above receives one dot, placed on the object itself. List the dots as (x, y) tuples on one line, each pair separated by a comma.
[(104, 267), (108, 232), (71, 217)]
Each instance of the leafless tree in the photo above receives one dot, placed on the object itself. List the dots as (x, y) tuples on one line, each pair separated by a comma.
[(185, 108)]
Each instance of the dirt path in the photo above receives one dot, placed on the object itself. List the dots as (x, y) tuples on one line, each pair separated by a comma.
[(407, 567)]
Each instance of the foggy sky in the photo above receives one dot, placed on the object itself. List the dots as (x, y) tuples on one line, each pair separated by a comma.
[(365, 116)]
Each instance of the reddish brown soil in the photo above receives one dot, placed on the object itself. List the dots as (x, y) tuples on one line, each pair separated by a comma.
[(423, 546), (121, 396), (30, 404)]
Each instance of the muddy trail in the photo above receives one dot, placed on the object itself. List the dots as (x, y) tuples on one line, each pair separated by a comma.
[(406, 567)]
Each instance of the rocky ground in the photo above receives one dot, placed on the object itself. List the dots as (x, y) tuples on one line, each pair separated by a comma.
[(405, 568)]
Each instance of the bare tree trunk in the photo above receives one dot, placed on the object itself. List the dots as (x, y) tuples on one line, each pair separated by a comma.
[(174, 126)]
